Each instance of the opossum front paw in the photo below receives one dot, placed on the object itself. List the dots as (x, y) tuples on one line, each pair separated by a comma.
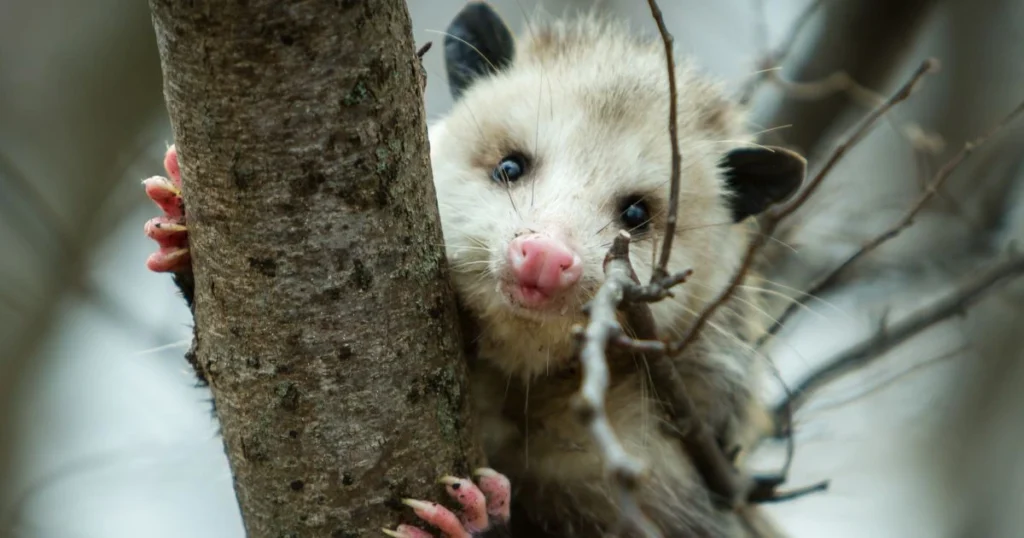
[(483, 505), (169, 230)]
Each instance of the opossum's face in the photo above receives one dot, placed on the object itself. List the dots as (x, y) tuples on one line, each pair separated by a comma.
[(539, 166)]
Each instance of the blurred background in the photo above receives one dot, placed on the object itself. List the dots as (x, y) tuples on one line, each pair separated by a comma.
[(104, 433)]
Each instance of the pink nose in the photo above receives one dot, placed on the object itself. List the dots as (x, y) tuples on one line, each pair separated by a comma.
[(543, 263)]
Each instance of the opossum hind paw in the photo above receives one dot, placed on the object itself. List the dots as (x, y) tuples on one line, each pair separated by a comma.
[(484, 505)]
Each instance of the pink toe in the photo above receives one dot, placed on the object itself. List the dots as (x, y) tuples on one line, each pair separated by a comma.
[(167, 231), (472, 500), (164, 194), (169, 260), (440, 517), (498, 490), (408, 531), (171, 165)]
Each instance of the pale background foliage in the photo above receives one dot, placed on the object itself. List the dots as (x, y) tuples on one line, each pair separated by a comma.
[(105, 435)]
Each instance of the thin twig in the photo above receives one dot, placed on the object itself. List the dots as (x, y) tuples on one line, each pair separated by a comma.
[(602, 331), (891, 380), (905, 221), (772, 219), (761, 26), (841, 81), (772, 495), (768, 64), (698, 440), (889, 337), (661, 270), (657, 290), (928, 66), (423, 69)]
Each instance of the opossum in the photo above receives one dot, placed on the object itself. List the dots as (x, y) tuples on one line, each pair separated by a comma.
[(557, 140)]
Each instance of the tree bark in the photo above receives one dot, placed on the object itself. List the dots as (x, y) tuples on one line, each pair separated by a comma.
[(325, 322)]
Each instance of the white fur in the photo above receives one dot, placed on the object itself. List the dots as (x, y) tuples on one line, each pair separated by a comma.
[(588, 103)]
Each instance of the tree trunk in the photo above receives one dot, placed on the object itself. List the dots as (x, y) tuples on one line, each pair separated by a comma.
[(325, 321)]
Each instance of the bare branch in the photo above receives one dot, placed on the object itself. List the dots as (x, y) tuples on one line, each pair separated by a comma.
[(661, 271), (768, 65), (717, 471), (930, 65), (905, 222), (883, 31), (603, 330), (770, 493), (891, 336), (772, 219), (657, 290), (621, 290)]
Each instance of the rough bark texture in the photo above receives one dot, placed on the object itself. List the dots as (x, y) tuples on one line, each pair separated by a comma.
[(325, 323)]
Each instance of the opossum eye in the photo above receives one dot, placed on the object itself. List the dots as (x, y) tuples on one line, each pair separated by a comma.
[(510, 169), (634, 215)]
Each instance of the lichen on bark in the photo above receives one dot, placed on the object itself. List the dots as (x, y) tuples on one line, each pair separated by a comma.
[(325, 322)]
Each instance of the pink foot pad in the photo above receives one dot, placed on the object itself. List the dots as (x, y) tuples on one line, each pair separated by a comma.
[(482, 506), (169, 231)]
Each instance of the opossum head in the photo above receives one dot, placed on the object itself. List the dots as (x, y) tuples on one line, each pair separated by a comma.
[(558, 140)]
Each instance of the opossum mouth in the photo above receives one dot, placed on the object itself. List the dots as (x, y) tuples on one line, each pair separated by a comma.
[(530, 296), (531, 300)]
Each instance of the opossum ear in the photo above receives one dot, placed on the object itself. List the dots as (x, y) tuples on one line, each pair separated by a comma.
[(758, 177), (478, 43)]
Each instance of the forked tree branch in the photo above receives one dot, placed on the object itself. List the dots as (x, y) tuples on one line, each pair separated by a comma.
[(867, 40), (773, 217), (603, 331), (902, 224), (622, 291), (889, 337)]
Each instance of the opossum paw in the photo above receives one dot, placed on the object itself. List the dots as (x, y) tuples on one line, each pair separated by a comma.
[(498, 491), (483, 506), (169, 231)]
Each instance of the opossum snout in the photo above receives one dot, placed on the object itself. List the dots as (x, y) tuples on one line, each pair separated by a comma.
[(543, 266)]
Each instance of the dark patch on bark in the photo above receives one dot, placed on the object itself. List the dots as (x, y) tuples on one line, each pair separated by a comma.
[(308, 184), (242, 176), (361, 275), (264, 266)]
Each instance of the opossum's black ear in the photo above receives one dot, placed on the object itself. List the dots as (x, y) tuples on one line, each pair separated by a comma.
[(761, 176), (478, 43)]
